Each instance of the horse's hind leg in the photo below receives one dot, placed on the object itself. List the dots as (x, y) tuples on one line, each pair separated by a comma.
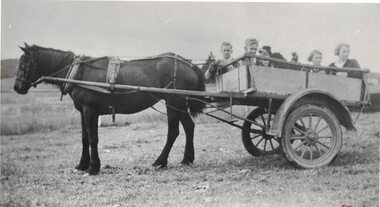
[(188, 126), (91, 119), (173, 131), (85, 158)]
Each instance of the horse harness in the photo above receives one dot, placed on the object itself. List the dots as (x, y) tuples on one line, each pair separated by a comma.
[(113, 70)]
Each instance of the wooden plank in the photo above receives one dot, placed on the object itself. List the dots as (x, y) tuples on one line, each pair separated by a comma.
[(282, 82), (235, 80), (342, 87)]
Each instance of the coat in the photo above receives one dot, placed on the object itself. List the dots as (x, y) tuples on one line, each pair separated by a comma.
[(350, 63)]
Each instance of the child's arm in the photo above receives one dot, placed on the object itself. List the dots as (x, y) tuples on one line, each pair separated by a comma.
[(211, 71)]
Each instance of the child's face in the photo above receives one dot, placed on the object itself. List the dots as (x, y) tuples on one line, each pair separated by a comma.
[(251, 48), (317, 59), (265, 63), (226, 51), (344, 52)]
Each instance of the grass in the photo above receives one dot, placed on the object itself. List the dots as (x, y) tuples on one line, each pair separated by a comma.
[(37, 170)]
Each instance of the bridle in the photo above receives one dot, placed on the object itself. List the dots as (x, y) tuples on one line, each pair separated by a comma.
[(23, 75)]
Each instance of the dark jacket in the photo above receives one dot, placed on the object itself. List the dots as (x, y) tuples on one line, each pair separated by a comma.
[(350, 63)]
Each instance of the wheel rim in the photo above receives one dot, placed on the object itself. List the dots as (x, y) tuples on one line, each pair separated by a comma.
[(312, 138), (259, 138)]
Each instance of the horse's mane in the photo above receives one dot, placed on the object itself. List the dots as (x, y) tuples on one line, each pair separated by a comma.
[(50, 59), (56, 55), (37, 47)]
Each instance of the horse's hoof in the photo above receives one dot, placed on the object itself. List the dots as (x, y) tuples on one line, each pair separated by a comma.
[(186, 162), (160, 164), (93, 170), (82, 167)]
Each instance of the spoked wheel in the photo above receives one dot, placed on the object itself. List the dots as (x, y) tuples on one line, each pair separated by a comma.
[(311, 137), (255, 139)]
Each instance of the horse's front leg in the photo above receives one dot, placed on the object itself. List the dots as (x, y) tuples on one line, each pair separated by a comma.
[(85, 158), (91, 119)]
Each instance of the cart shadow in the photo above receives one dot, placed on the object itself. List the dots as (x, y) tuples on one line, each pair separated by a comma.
[(352, 158), (268, 162)]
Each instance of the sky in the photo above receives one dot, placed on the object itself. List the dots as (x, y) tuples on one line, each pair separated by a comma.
[(191, 29)]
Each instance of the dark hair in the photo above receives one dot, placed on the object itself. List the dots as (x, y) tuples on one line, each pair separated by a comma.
[(314, 52)]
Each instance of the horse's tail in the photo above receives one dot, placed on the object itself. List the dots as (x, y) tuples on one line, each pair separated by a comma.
[(196, 107)]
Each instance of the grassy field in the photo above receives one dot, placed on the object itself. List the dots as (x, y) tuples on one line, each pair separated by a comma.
[(37, 170), (41, 146)]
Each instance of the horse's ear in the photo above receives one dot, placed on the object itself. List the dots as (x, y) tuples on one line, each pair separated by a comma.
[(23, 48), (26, 45)]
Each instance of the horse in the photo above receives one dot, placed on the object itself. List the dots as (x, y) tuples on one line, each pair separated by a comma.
[(163, 71)]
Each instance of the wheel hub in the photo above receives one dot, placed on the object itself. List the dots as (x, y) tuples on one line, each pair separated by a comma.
[(311, 137)]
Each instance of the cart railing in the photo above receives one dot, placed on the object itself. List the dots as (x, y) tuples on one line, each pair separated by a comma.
[(300, 65)]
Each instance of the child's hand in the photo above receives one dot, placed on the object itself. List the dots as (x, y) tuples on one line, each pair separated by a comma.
[(213, 69)]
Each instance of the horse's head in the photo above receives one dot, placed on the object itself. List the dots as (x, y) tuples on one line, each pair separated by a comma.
[(27, 72)]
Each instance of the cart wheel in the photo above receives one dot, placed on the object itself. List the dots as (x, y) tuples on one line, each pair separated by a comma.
[(311, 137), (255, 139)]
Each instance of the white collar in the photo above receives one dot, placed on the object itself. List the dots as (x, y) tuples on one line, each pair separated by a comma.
[(340, 64)]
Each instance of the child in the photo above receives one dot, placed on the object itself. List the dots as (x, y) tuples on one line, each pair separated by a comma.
[(262, 62), (251, 45), (226, 50), (315, 58)]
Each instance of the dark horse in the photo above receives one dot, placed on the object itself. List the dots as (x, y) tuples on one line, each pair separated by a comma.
[(156, 72)]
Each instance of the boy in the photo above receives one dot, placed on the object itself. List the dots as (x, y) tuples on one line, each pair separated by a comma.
[(251, 45), (226, 50)]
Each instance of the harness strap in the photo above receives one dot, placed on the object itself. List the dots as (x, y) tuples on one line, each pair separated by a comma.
[(175, 71), (71, 74)]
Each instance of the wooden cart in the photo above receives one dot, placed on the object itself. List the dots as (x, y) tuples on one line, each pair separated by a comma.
[(299, 112)]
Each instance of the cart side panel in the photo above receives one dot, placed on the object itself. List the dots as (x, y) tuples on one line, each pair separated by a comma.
[(287, 82), (274, 80), (343, 88), (235, 80)]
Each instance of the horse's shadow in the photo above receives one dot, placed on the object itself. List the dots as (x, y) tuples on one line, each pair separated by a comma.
[(274, 162)]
